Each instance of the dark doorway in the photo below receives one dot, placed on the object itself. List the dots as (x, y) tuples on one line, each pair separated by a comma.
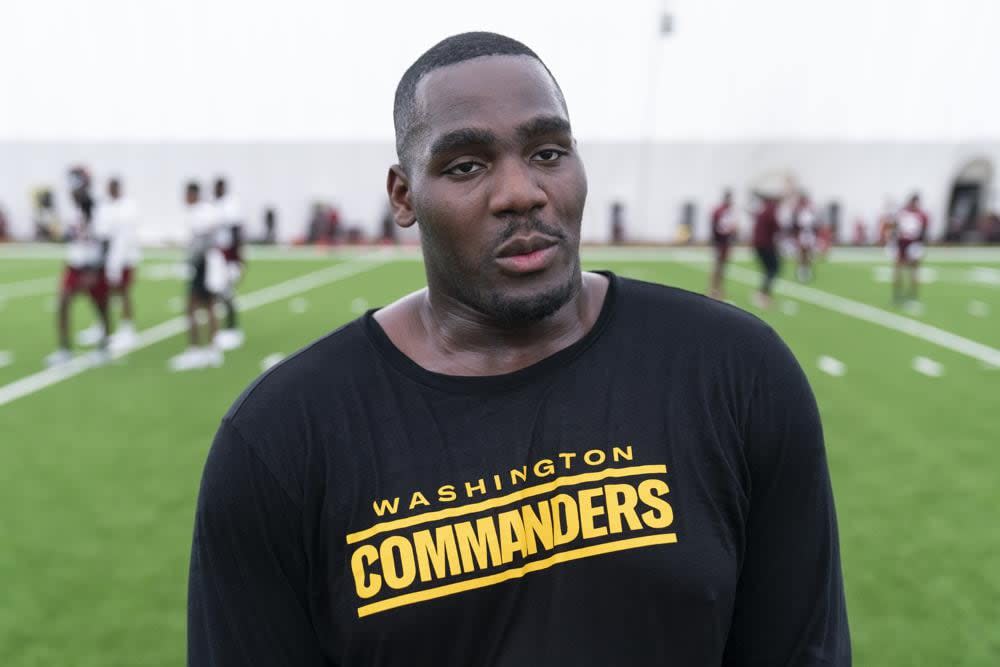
[(967, 201)]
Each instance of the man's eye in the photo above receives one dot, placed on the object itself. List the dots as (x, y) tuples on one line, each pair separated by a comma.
[(464, 169), (549, 155)]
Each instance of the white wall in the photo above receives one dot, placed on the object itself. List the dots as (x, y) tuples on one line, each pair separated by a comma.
[(289, 176), (300, 70)]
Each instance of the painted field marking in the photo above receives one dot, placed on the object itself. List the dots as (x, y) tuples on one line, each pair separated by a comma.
[(172, 327), (831, 366), (979, 309), (985, 275), (32, 287), (927, 367), (789, 308), (878, 316), (271, 361)]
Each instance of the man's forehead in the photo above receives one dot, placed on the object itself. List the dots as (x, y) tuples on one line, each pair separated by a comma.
[(485, 87)]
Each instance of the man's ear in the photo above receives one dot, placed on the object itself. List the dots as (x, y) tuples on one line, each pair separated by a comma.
[(398, 186)]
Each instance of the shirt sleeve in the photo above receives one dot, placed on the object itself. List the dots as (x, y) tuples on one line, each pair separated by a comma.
[(247, 590), (790, 608)]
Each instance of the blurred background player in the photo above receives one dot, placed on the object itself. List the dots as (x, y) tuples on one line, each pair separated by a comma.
[(724, 225), (114, 228), (4, 227), (207, 279), (84, 270), (765, 244), (910, 234), (229, 223), (804, 232)]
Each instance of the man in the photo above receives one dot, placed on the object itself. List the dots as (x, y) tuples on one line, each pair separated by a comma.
[(207, 270), (765, 244), (84, 269), (910, 235), (804, 230), (114, 227), (724, 225), (523, 463), (229, 220), (4, 229)]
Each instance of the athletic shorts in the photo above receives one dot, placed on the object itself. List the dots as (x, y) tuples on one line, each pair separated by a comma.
[(909, 251), (722, 251), (73, 282), (128, 275), (197, 286)]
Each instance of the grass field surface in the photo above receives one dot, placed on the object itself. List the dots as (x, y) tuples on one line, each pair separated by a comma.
[(99, 468)]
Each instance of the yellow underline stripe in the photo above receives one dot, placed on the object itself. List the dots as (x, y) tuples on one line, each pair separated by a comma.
[(514, 573), (527, 492)]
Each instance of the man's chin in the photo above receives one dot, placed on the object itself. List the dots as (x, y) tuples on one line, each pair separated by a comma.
[(533, 305)]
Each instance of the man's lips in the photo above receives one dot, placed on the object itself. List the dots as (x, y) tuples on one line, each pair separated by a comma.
[(525, 245), (527, 254)]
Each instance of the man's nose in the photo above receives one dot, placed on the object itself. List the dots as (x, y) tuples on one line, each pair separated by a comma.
[(516, 188)]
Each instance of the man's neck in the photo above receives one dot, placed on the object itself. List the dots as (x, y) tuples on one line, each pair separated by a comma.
[(443, 335)]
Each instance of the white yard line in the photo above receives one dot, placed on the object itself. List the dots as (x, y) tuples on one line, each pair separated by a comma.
[(928, 367), (831, 366), (271, 360), (29, 287), (262, 297), (867, 313)]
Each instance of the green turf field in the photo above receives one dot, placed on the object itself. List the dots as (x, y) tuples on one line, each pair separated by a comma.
[(99, 470)]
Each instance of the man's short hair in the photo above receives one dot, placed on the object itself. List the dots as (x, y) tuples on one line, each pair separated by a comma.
[(449, 51)]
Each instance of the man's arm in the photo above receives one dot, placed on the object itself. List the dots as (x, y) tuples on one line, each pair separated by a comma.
[(248, 586), (790, 607)]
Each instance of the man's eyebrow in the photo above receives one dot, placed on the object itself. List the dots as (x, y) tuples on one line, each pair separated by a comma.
[(462, 138), (543, 125)]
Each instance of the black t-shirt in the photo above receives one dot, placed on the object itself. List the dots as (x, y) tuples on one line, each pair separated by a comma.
[(655, 494)]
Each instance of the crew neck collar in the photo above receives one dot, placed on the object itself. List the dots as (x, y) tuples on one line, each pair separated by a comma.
[(487, 383)]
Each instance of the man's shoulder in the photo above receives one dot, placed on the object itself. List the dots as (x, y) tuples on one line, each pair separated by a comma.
[(306, 378), (675, 313)]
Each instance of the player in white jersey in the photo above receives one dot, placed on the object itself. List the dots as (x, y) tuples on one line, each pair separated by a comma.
[(805, 225), (907, 247), (229, 219), (84, 270), (208, 280), (114, 226)]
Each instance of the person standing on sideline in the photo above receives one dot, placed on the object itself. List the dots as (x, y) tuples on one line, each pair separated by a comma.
[(207, 270), (765, 244), (910, 237), (115, 227), (804, 230), (84, 269), (229, 221), (724, 228)]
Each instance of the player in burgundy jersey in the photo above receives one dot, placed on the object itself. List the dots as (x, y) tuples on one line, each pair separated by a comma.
[(909, 237), (724, 226), (84, 270), (765, 243)]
